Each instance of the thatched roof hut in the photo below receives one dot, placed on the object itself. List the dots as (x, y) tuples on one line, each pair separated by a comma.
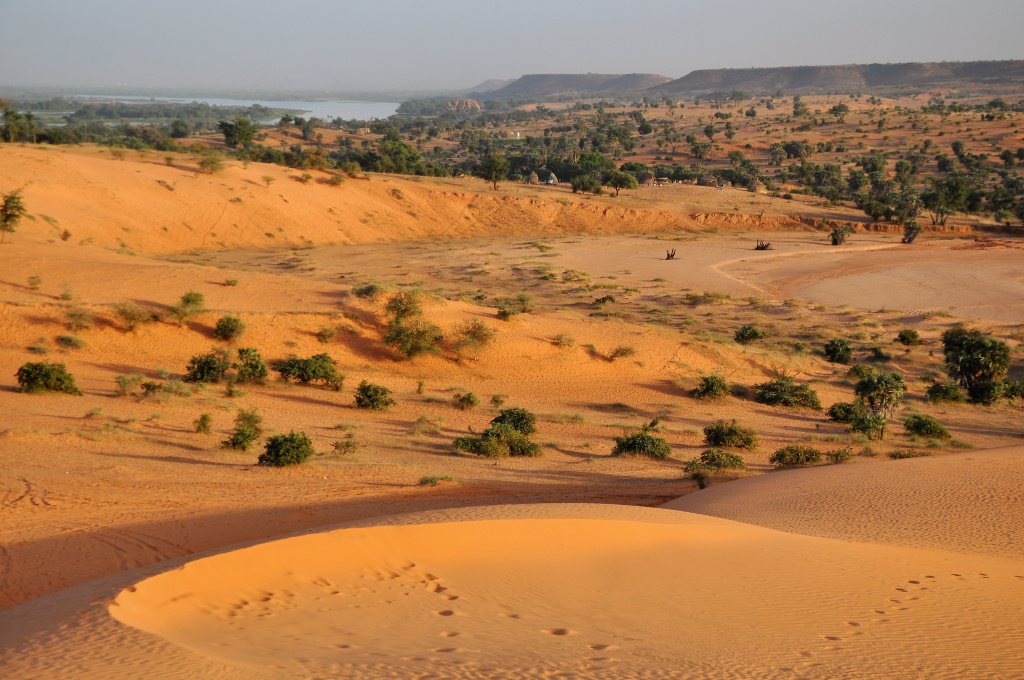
[(707, 181), (757, 187), (534, 179)]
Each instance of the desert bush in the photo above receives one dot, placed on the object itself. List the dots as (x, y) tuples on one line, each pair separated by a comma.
[(845, 412), (908, 336), (368, 291), (947, 391), (39, 347), (976, 362), (711, 387), (860, 371), (286, 449), (838, 351), (46, 377), (839, 456), (404, 305), (211, 162), (189, 306), (748, 334), (900, 454), (248, 429), (70, 342), (794, 455), (320, 368), (878, 354), (126, 384), (373, 397), (839, 234), (231, 282), (326, 334), (622, 352), (925, 426), (433, 480), (911, 230), (78, 319), (722, 433), (563, 340), (132, 316), (498, 400), (343, 446), (203, 424), (519, 418), (871, 425), (499, 441), (474, 335), (250, 367), (509, 307), (413, 337), (35, 282), (715, 459), (229, 328), (208, 368), (782, 391), (882, 392), (604, 300), (465, 401), (643, 443)]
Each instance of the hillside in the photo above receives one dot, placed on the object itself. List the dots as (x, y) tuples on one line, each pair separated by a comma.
[(540, 85)]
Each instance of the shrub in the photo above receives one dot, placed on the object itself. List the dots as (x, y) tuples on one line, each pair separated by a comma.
[(211, 162), (208, 368), (132, 315), (250, 367), (343, 446), (839, 456), (899, 454), (499, 441), (286, 449), (368, 291), (878, 354), (882, 392), (126, 384), (715, 459), (432, 480), (925, 426), (318, 368), (70, 342), (473, 335), (908, 336), (498, 400), (869, 424), (373, 397), (229, 328), (521, 304), (46, 377), (860, 371), (465, 401), (231, 282), (519, 418), (247, 430), (711, 387), (622, 352), (326, 334), (793, 455), (413, 337), (203, 423), (403, 305), (721, 433), (839, 234), (911, 230), (947, 391), (563, 340), (748, 334), (977, 363), (838, 351), (642, 443), (782, 391), (189, 306), (79, 319), (845, 412)]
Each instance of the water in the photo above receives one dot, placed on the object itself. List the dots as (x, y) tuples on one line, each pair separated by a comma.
[(315, 109)]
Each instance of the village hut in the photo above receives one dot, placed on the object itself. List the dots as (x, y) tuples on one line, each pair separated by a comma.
[(534, 179), (707, 181), (757, 187)]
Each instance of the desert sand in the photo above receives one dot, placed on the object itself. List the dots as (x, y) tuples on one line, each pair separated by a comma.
[(132, 546)]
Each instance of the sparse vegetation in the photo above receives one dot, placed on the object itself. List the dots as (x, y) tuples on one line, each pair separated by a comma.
[(46, 377), (796, 455), (191, 305), (711, 387), (287, 449), (413, 337), (373, 397), (783, 391), (642, 443), (208, 368), (563, 340), (432, 480), (722, 433), (248, 429), (320, 368), (472, 335), (79, 319), (747, 335), (203, 424), (622, 352), (925, 426), (465, 401), (839, 456), (70, 342), (838, 351), (229, 328), (326, 334), (133, 316)]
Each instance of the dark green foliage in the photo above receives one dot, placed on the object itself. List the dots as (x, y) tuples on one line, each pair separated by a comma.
[(499, 441), (838, 351), (12, 208), (642, 443), (368, 291), (948, 391), (882, 392), (911, 230), (413, 337), (782, 391), (711, 387), (465, 401), (908, 336), (715, 459), (404, 305), (839, 234), (492, 167), (722, 433), (748, 334), (320, 368), (229, 328), (208, 368), (845, 412), (203, 423), (189, 306), (247, 430), (585, 183), (908, 453), (878, 354), (839, 456), (621, 180), (977, 363), (519, 418), (871, 425), (250, 367), (46, 377), (793, 455), (925, 426), (860, 371), (286, 449), (373, 397), (238, 131)]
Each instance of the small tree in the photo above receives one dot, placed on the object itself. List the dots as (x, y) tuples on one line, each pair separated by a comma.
[(838, 351), (519, 418), (839, 234), (189, 306), (46, 377), (911, 230), (748, 334), (711, 387), (248, 428), (492, 167), (882, 392), (619, 180), (404, 305), (208, 368), (373, 397), (413, 337), (229, 328), (250, 367), (978, 363), (12, 209), (286, 449), (238, 131)]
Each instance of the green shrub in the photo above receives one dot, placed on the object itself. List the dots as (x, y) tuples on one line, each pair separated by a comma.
[(860, 371), (793, 455), (373, 397), (839, 456), (622, 352), (79, 319), (519, 418), (40, 347), (247, 430), (231, 282), (925, 426), (947, 391), (748, 334), (643, 443), (838, 351), (711, 387), (404, 305), (46, 377), (132, 316), (465, 401), (250, 367), (521, 304), (474, 335), (782, 391), (318, 368), (208, 368), (563, 340), (839, 234), (845, 412), (900, 454), (722, 433), (203, 423), (882, 392), (413, 337), (869, 424), (326, 334), (878, 354), (286, 449), (498, 400), (70, 342), (229, 328), (368, 291), (908, 336), (976, 362), (499, 441), (189, 306), (433, 480), (126, 384), (715, 459)]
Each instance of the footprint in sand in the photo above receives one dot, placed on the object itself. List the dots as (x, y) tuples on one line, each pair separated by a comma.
[(445, 612), (447, 650), (511, 616), (557, 631), (601, 647), (450, 633)]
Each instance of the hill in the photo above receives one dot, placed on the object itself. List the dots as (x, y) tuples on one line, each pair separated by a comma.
[(540, 85)]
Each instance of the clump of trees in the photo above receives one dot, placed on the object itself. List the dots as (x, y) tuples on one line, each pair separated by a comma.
[(319, 368)]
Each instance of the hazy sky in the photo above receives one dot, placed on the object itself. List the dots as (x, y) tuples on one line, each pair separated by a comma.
[(394, 44)]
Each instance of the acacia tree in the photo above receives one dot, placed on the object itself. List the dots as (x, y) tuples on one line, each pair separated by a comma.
[(621, 180), (493, 167), (12, 209)]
